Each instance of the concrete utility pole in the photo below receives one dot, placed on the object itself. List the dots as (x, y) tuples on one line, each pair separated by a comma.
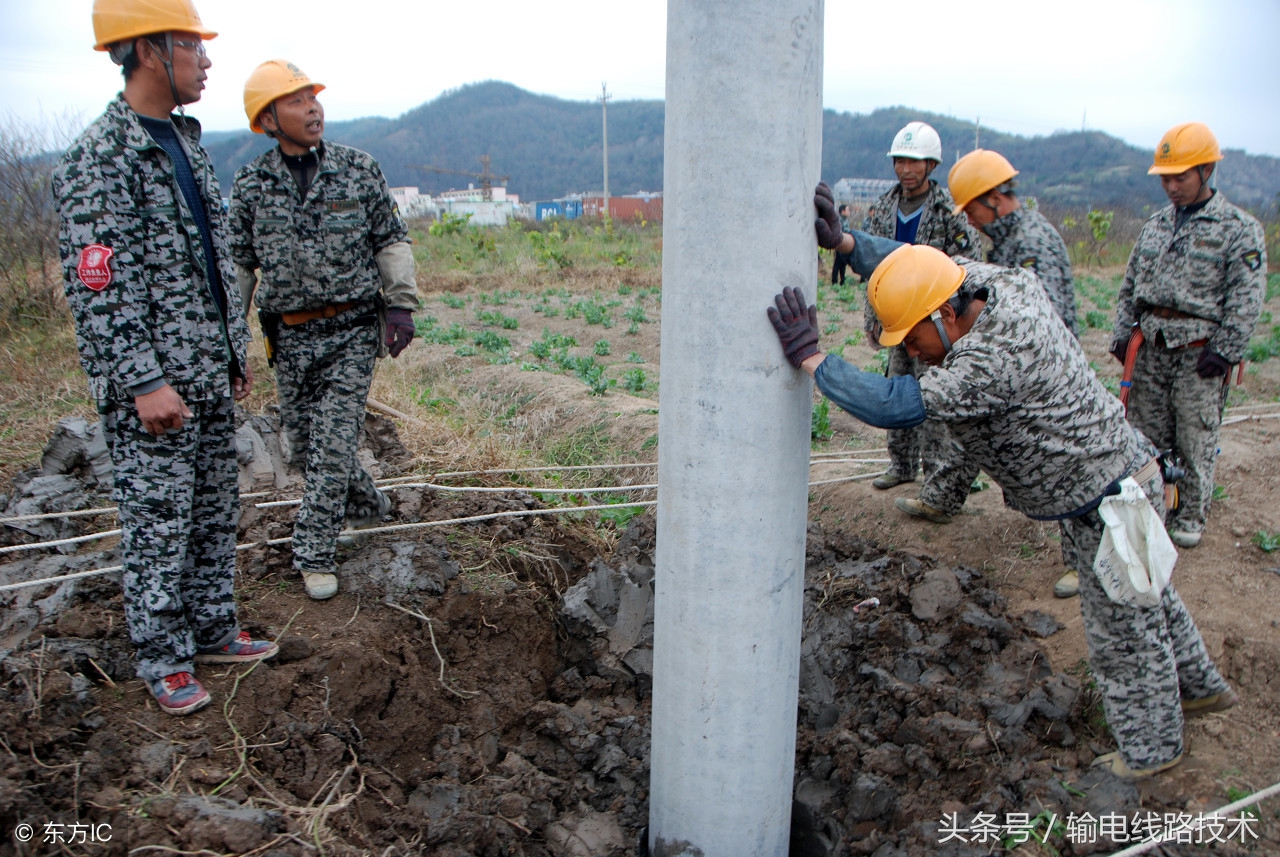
[(743, 153), (604, 115)]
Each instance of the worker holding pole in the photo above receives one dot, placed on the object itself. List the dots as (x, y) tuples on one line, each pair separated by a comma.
[(1192, 294), (1013, 384), (336, 290)]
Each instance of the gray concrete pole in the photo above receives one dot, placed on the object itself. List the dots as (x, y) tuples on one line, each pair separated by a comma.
[(743, 153)]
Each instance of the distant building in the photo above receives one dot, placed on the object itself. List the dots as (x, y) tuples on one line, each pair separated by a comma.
[(860, 192), (412, 203)]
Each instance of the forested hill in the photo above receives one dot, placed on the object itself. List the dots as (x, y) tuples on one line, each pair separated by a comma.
[(549, 147)]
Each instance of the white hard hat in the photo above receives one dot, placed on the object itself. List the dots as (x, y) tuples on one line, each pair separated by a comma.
[(918, 141)]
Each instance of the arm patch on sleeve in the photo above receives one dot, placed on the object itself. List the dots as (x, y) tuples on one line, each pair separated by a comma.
[(1252, 259), (1031, 263)]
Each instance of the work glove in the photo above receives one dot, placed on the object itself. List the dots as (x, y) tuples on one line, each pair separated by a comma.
[(1212, 364), (827, 225), (399, 330), (1121, 348), (796, 326)]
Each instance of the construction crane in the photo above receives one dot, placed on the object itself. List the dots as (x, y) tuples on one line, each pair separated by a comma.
[(486, 177)]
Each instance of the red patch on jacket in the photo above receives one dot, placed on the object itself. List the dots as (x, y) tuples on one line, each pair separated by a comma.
[(94, 268)]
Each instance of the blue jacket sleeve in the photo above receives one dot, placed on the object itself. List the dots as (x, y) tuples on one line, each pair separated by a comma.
[(889, 403), (869, 251)]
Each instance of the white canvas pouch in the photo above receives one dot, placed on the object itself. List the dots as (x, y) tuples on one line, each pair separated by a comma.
[(1136, 557)]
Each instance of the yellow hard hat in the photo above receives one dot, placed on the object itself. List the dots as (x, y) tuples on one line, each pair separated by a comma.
[(1183, 147), (268, 82), (909, 284), (122, 20), (977, 173)]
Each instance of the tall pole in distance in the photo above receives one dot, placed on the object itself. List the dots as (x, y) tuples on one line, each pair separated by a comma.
[(604, 116), (743, 141)]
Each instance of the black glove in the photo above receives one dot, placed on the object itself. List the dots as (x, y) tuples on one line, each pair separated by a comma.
[(827, 225), (1212, 364), (1121, 348), (399, 330), (796, 326)]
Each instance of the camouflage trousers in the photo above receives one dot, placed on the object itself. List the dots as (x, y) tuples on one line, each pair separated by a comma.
[(179, 503), (948, 471), (1144, 659), (1177, 409), (323, 372)]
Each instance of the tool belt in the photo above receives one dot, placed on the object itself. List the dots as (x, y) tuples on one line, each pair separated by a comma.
[(1166, 312), (1142, 475), (306, 315)]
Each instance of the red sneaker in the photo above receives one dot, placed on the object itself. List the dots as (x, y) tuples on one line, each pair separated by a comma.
[(242, 650), (179, 693)]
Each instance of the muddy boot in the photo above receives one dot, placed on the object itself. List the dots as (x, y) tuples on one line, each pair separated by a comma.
[(889, 479), (1113, 763), (1209, 704), (320, 585), (919, 509), (1068, 586), (1184, 539)]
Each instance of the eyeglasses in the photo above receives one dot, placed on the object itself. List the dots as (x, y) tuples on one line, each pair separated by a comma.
[(197, 47)]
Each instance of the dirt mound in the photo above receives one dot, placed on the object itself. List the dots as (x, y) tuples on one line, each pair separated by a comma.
[(483, 689)]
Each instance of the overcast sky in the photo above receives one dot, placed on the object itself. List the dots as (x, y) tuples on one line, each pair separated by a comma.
[(1131, 68)]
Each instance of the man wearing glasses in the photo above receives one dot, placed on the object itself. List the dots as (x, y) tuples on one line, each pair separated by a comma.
[(162, 337)]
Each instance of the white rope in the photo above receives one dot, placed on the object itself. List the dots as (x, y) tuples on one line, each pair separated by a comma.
[(1166, 836), (394, 528), (72, 541), (468, 489), (1242, 418), (79, 513)]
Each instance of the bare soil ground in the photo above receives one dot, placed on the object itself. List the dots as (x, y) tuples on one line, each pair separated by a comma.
[(488, 725)]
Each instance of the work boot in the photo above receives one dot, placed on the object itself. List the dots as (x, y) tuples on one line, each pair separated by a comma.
[(320, 585), (889, 479), (920, 509), (1068, 586), (1209, 704), (1184, 538), (242, 650), (179, 693), (1113, 763)]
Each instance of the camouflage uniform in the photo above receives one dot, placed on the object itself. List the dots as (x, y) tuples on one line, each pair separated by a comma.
[(1023, 238), (1018, 393), (1211, 275), (316, 250), (157, 320), (944, 464)]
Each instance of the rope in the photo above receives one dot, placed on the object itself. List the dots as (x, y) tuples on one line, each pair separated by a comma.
[(72, 541), (275, 504), (1144, 847)]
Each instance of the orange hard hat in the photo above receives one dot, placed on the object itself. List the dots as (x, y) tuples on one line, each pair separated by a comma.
[(908, 285), (1183, 147), (977, 173), (122, 20), (268, 82)]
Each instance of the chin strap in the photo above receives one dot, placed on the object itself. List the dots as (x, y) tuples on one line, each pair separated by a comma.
[(936, 315), (167, 59)]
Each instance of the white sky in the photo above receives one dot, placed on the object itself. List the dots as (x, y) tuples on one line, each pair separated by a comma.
[(1131, 68)]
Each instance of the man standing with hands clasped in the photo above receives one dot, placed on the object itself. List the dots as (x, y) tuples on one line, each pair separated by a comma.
[(337, 290), (1193, 290), (162, 337)]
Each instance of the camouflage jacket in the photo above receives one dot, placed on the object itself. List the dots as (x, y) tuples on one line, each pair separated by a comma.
[(1018, 392), (319, 249), (1023, 238), (154, 316), (950, 233), (1213, 269)]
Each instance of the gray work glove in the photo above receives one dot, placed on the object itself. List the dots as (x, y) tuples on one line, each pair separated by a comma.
[(827, 225), (1212, 364), (399, 330), (796, 326)]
